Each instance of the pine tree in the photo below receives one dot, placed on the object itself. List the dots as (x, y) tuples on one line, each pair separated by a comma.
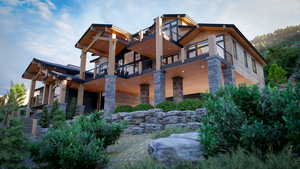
[(58, 116), (12, 145), (45, 119)]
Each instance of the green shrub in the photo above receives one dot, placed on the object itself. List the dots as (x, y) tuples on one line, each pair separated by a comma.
[(244, 116), (79, 145), (142, 107), (168, 131), (58, 116), (189, 104), (71, 109), (69, 148), (167, 106), (123, 108), (45, 119), (12, 144)]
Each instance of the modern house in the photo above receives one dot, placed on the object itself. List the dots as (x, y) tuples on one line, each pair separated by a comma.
[(172, 59)]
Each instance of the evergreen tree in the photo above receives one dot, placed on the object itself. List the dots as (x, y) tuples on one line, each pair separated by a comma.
[(45, 119), (12, 145), (58, 116)]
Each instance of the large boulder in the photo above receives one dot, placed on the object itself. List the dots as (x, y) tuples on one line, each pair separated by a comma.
[(176, 148)]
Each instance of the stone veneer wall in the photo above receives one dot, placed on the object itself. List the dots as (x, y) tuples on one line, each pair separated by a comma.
[(152, 120)]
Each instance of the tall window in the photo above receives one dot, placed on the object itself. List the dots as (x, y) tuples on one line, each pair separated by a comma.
[(245, 58), (254, 65), (171, 29), (234, 49)]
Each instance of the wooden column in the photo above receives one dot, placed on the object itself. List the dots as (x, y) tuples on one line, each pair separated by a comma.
[(112, 53), (51, 94), (182, 54), (45, 94), (80, 94), (229, 48), (63, 91), (158, 42), (31, 93), (212, 45), (82, 64)]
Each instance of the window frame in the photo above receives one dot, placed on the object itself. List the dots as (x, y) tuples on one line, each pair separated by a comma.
[(234, 46), (246, 59), (254, 68)]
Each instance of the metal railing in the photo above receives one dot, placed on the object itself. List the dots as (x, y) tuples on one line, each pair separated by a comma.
[(99, 71), (169, 59), (134, 68)]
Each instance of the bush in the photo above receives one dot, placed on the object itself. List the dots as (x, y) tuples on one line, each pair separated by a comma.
[(142, 107), (246, 117), (123, 108), (45, 119), (71, 109), (168, 131), (79, 145), (58, 116), (12, 145), (69, 148), (167, 106), (189, 104)]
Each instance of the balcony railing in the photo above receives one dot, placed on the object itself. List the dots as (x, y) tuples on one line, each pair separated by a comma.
[(169, 59), (99, 71), (134, 68)]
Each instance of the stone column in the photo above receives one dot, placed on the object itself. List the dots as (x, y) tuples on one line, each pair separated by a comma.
[(177, 89), (110, 80), (110, 95), (215, 80), (229, 75), (45, 94), (159, 87), (144, 93), (80, 94)]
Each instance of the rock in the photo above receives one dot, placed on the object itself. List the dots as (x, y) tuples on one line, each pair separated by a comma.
[(134, 130), (149, 128), (177, 125), (193, 125), (174, 113), (150, 119), (114, 117), (173, 119), (176, 148)]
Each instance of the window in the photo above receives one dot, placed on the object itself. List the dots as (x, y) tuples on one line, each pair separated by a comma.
[(245, 58), (254, 65), (197, 49), (171, 29), (234, 49), (220, 45)]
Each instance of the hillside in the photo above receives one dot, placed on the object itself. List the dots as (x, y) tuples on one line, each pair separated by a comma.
[(289, 36)]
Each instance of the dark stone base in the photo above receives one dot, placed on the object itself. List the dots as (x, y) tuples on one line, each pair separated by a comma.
[(80, 109)]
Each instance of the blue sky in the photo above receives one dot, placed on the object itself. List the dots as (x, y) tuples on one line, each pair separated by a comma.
[(49, 29)]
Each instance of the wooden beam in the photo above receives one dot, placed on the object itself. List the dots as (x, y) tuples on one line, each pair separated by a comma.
[(158, 42), (112, 53), (63, 91), (82, 64)]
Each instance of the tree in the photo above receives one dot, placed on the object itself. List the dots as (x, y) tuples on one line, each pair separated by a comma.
[(58, 116), (12, 145), (276, 75), (17, 94)]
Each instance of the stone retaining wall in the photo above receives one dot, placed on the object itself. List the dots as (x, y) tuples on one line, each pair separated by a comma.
[(155, 120)]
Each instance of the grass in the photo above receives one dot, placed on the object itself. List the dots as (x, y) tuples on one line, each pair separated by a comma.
[(237, 160)]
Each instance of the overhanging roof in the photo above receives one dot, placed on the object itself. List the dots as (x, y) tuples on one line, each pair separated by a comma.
[(223, 26)]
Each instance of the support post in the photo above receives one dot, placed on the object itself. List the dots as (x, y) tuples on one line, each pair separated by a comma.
[(34, 127), (110, 80), (229, 75), (159, 87), (177, 89), (63, 91), (51, 94), (82, 64), (229, 48), (182, 54), (80, 95), (144, 93), (215, 80), (31, 93), (212, 45), (45, 94), (158, 42)]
